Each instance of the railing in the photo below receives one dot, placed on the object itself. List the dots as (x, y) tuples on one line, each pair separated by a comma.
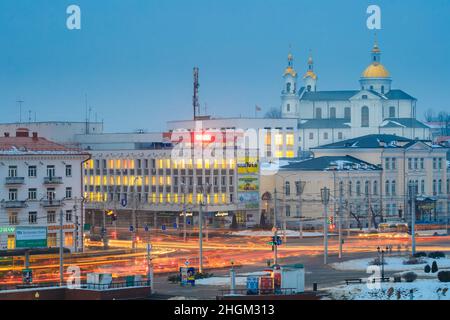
[(14, 180), (14, 204), (98, 287), (53, 180), (51, 203), (258, 292)]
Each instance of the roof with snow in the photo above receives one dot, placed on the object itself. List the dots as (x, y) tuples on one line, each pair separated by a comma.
[(324, 123), (33, 145), (335, 163), (403, 123), (342, 95), (370, 141)]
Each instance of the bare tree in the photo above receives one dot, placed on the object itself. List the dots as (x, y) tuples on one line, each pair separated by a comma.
[(273, 113), (429, 115)]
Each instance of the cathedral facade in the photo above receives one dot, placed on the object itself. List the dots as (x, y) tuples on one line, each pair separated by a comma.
[(326, 117)]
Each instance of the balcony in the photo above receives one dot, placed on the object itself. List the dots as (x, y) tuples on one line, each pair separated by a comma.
[(53, 180), (14, 204), (14, 181), (51, 203)]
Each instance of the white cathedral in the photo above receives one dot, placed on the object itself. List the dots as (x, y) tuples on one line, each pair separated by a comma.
[(326, 117)]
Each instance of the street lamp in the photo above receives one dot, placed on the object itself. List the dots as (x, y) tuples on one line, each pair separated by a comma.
[(382, 252), (325, 196), (204, 189), (133, 217)]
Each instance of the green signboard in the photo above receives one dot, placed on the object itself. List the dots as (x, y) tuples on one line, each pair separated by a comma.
[(31, 237), (7, 229)]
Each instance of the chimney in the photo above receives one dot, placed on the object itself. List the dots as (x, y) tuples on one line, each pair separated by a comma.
[(35, 136), (6, 134)]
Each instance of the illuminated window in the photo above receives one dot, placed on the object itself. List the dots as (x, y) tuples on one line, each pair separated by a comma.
[(224, 198), (175, 198), (154, 197), (207, 164), (118, 164), (268, 139), (290, 154), (111, 164), (190, 198), (216, 164), (279, 154), (216, 198), (51, 240), (168, 163), (279, 139), (169, 198), (169, 181), (290, 139), (125, 180), (160, 164), (232, 164), (161, 198), (153, 180), (68, 239), (199, 163), (161, 181)]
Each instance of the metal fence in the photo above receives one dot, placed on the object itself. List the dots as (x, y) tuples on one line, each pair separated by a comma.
[(258, 292)]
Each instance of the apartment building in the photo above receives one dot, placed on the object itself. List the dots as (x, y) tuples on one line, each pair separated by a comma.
[(41, 184)]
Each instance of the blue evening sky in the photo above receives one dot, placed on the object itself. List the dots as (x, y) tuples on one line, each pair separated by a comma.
[(134, 58)]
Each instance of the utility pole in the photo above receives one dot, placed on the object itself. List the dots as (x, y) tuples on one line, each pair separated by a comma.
[(184, 212), (275, 229), (412, 192), (341, 193), (61, 249), (200, 236), (325, 194)]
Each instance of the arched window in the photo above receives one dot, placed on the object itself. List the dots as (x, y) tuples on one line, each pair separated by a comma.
[(341, 188), (288, 188), (382, 89), (288, 87), (332, 113), (391, 112), (365, 117), (308, 88), (350, 188), (387, 187), (367, 188), (393, 188), (318, 113), (348, 113), (288, 107), (358, 188), (375, 188)]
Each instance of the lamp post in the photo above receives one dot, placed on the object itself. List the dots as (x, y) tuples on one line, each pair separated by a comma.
[(183, 186), (204, 189), (325, 196), (382, 252), (133, 217), (412, 194)]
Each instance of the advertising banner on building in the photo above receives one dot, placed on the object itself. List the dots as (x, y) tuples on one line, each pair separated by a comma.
[(249, 200), (31, 237), (248, 166), (248, 183)]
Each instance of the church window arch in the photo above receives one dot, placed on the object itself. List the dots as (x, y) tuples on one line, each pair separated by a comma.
[(318, 113), (391, 112), (333, 113), (365, 117)]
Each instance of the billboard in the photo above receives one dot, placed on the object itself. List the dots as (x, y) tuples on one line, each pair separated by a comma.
[(31, 237), (248, 166), (249, 199), (248, 183)]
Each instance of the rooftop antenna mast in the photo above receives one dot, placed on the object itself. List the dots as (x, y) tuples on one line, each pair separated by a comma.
[(20, 109), (195, 101)]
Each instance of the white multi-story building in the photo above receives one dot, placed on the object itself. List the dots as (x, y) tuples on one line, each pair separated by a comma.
[(40, 180), (331, 116)]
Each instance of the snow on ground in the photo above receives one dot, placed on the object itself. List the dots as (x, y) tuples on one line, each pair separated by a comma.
[(392, 264), (422, 290), (289, 233), (220, 281)]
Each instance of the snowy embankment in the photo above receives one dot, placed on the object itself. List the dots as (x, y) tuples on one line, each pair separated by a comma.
[(431, 289), (289, 233), (391, 264)]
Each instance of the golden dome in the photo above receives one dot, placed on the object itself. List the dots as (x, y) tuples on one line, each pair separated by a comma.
[(310, 74), (291, 71), (376, 70)]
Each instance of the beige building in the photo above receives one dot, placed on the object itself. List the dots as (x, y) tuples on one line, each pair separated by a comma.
[(404, 161), (294, 192)]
